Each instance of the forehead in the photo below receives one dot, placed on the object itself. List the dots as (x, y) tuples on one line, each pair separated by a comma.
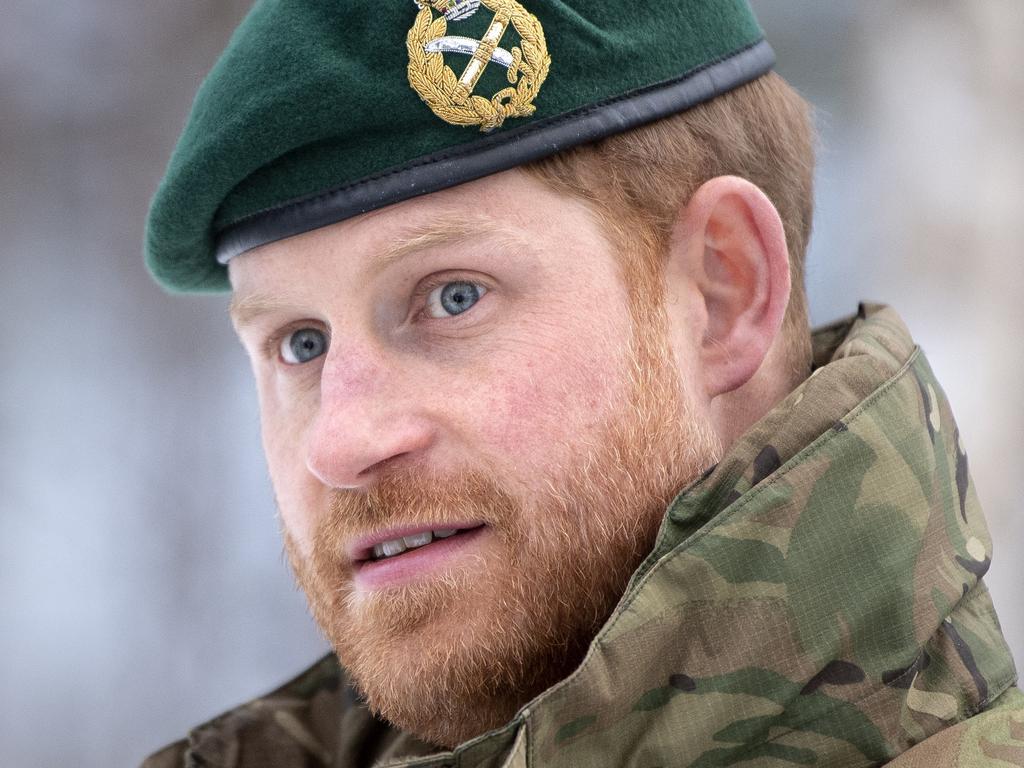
[(511, 210)]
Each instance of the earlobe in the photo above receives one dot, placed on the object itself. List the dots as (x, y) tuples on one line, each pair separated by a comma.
[(730, 241)]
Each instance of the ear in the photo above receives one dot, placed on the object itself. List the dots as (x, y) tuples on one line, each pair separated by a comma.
[(729, 243)]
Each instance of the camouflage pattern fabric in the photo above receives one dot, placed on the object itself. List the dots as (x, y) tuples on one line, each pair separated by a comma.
[(815, 599)]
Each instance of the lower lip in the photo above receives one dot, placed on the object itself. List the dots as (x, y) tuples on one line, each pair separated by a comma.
[(415, 563)]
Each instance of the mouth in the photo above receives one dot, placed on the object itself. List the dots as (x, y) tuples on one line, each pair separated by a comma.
[(400, 555), (394, 544)]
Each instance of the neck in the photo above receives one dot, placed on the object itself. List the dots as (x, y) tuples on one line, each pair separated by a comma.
[(735, 412)]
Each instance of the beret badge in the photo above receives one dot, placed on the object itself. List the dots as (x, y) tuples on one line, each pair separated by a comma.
[(451, 96)]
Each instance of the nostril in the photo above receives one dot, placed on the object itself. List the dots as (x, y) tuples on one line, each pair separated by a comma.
[(344, 451), (381, 465)]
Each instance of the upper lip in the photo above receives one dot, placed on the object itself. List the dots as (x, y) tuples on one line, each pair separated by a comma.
[(362, 548)]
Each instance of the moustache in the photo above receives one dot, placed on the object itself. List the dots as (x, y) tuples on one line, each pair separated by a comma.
[(411, 497)]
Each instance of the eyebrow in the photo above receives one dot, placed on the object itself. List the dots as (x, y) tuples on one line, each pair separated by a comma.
[(246, 309), (422, 237)]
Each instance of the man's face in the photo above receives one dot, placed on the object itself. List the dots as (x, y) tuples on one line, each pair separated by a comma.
[(470, 361)]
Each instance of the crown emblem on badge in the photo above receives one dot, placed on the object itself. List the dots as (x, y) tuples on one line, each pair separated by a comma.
[(451, 96)]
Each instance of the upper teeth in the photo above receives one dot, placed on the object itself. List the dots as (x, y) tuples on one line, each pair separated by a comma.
[(398, 546)]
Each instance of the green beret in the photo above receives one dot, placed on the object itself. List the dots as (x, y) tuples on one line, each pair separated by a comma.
[(320, 110)]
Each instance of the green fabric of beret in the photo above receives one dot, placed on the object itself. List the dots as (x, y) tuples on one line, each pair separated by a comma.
[(320, 110)]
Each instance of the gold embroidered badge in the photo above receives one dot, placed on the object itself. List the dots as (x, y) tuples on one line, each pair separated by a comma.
[(451, 96)]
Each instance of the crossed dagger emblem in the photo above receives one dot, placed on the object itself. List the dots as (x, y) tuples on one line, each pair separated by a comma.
[(481, 52)]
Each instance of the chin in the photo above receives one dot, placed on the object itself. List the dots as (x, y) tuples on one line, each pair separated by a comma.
[(447, 670), (451, 658)]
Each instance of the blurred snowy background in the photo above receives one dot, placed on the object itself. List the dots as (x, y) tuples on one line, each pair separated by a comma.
[(143, 588)]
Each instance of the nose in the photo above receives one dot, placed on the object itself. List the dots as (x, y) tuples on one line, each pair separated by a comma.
[(367, 421)]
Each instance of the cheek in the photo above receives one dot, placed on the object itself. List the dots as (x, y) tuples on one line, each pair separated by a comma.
[(551, 396), (294, 492)]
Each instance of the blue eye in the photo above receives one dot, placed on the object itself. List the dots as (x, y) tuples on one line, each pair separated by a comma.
[(453, 299), (303, 345)]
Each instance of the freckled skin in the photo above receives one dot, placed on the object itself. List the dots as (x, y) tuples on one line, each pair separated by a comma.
[(526, 367)]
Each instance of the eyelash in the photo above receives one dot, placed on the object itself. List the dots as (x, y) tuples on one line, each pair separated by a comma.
[(272, 345), (424, 289)]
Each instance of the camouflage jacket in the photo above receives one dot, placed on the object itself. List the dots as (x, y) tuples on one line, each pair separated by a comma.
[(815, 599)]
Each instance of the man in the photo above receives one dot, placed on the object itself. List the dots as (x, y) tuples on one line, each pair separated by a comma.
[(559, 468)]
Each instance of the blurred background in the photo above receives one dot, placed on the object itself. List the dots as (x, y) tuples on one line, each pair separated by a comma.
[(142, 586)]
